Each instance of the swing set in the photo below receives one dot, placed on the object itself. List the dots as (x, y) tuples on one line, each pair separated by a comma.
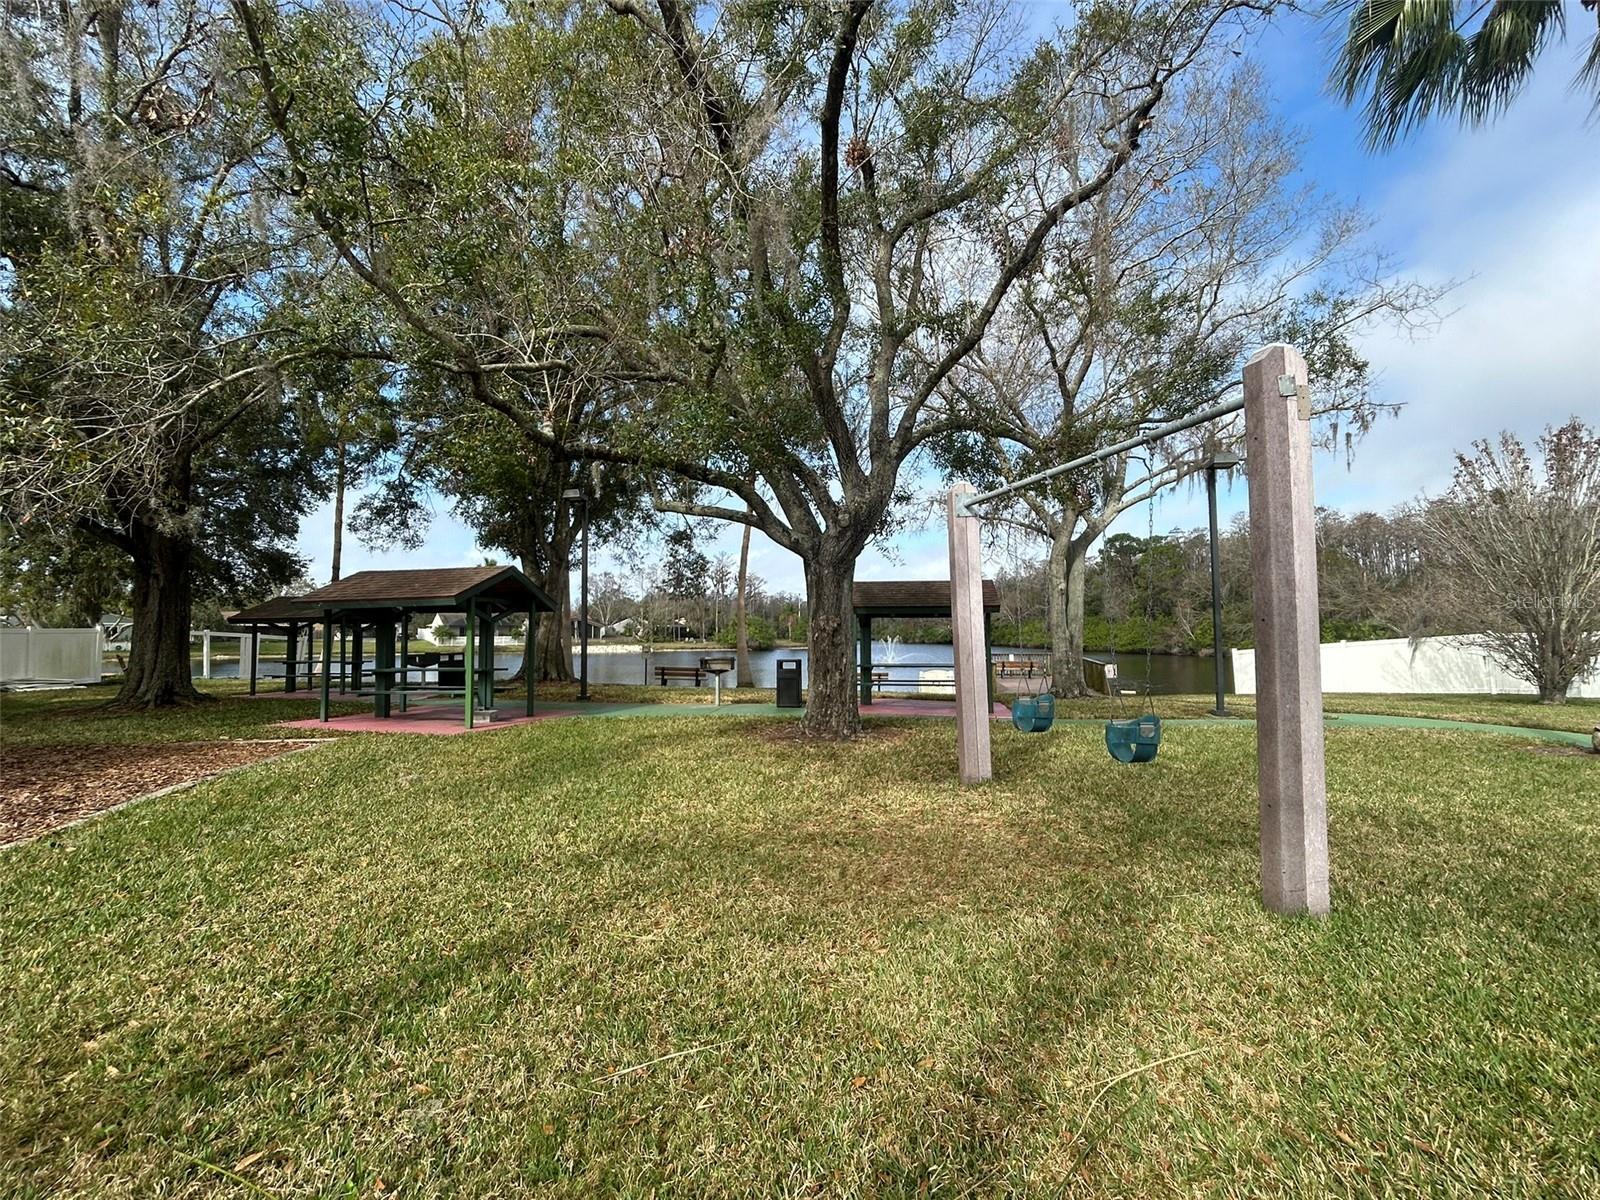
[(1128, 739), (1291, 775)]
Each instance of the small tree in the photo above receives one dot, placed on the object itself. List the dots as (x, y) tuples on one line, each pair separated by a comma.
[(1518, 555)]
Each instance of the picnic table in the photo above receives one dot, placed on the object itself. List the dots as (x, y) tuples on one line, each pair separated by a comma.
[(395, 683)]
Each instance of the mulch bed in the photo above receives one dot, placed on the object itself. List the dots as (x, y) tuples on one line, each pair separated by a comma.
[(43, 788)]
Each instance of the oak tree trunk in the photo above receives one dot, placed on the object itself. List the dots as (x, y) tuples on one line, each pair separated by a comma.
[(157, 674), (831, 710), (338, 513), (1068, 568), (552, 647), (741, 641)]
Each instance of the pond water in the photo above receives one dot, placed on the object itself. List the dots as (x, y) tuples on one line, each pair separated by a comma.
[(923, 667)]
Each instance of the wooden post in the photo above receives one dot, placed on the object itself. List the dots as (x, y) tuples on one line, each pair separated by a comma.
[(1283, 561), (470, 679), (865, 633), (967, 638), (327, 659)]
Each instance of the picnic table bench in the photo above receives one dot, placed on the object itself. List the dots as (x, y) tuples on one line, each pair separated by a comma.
[(398, 686), (693, 673)]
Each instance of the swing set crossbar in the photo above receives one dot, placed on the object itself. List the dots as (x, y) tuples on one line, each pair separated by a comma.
[(1204, 415)]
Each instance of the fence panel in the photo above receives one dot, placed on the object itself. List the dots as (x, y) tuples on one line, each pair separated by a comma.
[(1439, 665), (50, 655)]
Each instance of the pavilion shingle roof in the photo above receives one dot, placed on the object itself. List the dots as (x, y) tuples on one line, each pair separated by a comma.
[(277, 610), (432, 586), (912, 596)]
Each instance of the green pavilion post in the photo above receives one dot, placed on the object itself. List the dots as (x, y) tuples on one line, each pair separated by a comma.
[(527, 661), (486, 627), (356, 655), (864, 633), (255, 655), (327, 660), (383, 655), (988, 653), (291, 661), (470, 678)]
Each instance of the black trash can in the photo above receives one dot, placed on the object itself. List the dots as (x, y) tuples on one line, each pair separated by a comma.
[(789, 684)]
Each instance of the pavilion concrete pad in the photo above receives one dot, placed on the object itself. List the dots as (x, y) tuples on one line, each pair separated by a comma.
[(441, 720), (447, 719)]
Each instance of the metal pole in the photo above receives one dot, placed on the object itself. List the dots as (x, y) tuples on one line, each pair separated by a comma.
[(1216, 411), (1216, 591), (583, 605)]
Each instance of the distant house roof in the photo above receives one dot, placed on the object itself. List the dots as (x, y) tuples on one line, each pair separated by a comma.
[(440, 589), (912, 597), (280, 610)]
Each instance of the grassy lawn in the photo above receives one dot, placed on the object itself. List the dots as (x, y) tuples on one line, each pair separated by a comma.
[(80, 716), (1577, 716), (445, 967)]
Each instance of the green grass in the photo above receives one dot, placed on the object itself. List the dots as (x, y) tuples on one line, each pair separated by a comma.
[(638, 693), (1576, 716), (377, 960), (81, 716)]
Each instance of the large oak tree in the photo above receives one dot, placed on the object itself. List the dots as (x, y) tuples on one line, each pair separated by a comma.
[(139, 350)]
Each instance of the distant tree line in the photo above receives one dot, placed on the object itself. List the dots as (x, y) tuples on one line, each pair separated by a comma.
[(1155, 592)]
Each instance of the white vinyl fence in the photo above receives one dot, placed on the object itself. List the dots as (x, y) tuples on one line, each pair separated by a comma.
[(204, 636), (1438, 665), (30, 655)]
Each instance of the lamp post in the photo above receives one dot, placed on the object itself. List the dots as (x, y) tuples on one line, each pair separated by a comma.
[(582, 497), (1221, 461)]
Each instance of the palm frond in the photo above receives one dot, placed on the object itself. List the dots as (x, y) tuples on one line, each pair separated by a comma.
[(1588, 77), (1413, 59), (1502, 53)]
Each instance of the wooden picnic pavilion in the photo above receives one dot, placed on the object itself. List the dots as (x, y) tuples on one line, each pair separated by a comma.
[(282, 616), (386, 601), (911, 598)]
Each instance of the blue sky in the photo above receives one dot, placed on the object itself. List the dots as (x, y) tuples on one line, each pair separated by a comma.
[(1511, 211)]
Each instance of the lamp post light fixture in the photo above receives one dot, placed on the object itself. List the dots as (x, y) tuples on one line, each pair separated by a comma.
[(582, 497), (1221, 461)]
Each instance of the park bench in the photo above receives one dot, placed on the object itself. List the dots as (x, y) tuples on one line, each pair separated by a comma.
[(883, 680), (691, 673), (1018, 668)]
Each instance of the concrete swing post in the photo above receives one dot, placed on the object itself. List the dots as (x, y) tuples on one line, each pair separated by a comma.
[(1290, 754), (969, 640), (1289, 735)]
